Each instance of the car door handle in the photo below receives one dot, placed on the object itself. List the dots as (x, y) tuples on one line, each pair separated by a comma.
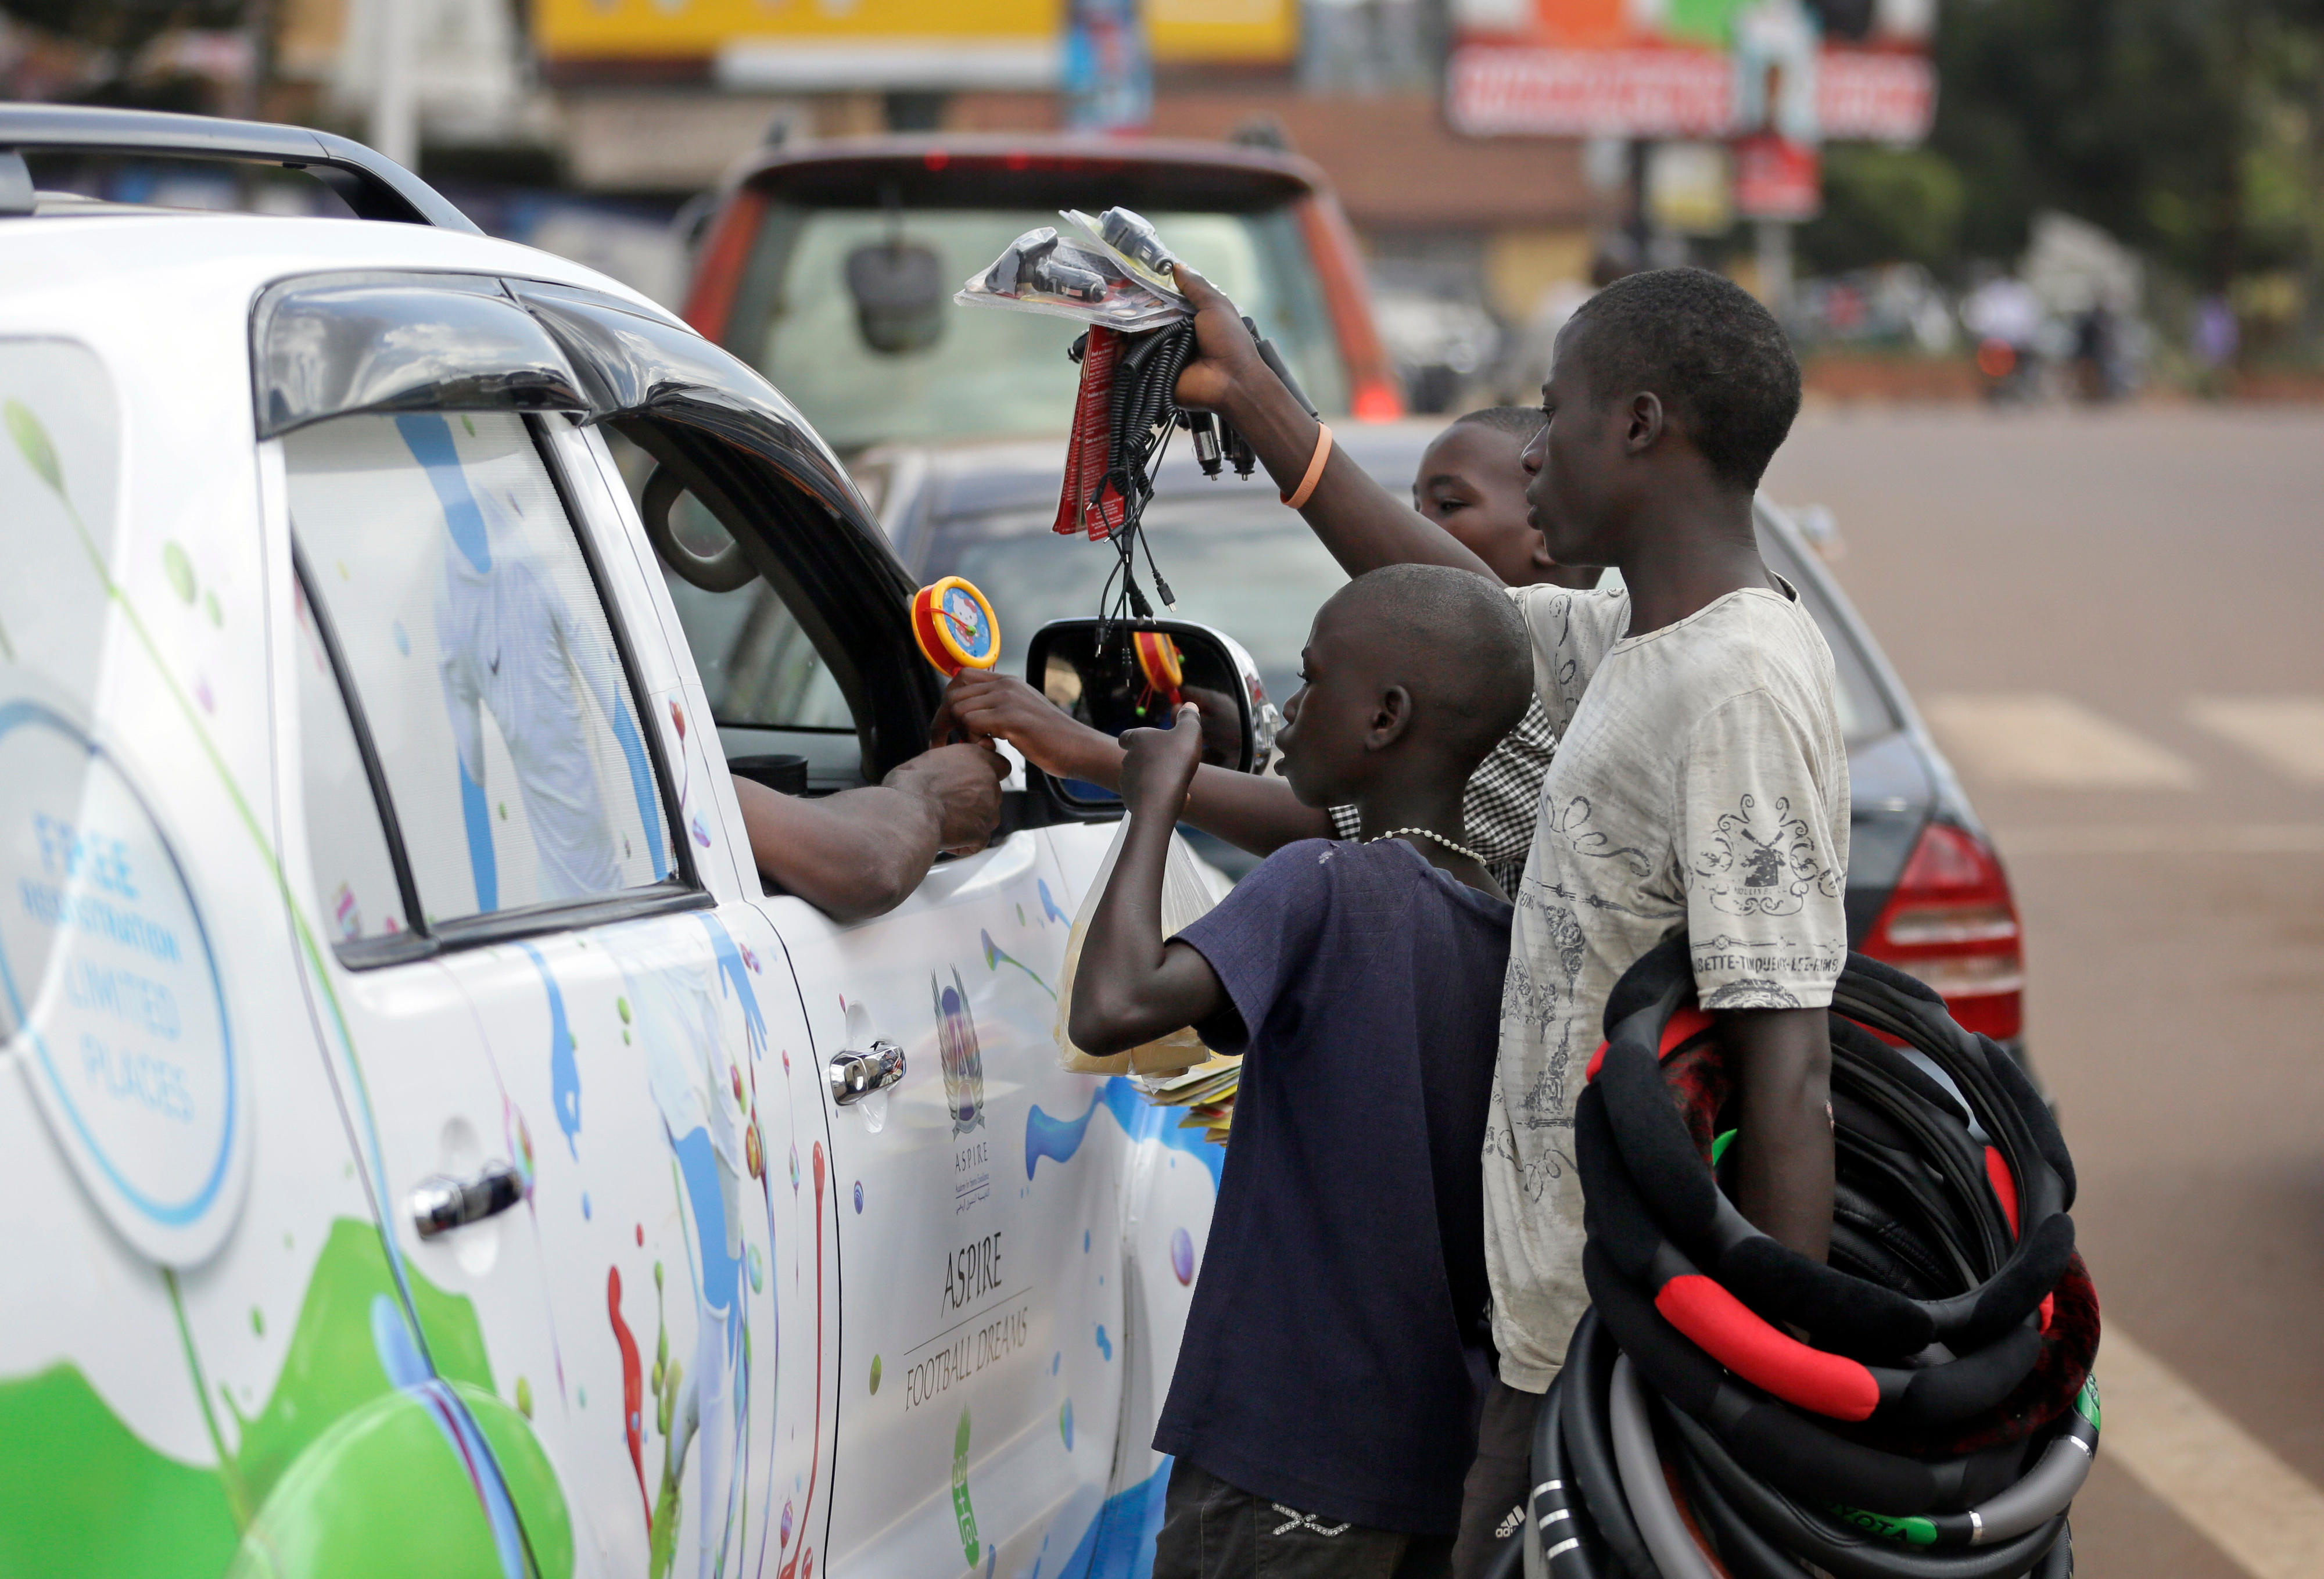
[(856, 1075), (440, 1204)]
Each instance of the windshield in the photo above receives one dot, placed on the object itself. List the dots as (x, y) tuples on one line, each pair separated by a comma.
[(990, 373)]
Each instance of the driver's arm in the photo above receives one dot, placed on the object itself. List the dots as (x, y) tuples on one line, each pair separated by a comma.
[(1249, 812), (1363, 525), (859, 854)]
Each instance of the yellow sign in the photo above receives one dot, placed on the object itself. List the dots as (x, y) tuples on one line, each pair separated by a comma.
[(698, 28), (1253, 32)]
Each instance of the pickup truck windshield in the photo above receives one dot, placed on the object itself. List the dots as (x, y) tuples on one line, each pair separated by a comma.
[(990, 373)]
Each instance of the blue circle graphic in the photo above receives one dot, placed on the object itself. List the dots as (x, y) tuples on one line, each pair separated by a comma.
[(167, 1213)]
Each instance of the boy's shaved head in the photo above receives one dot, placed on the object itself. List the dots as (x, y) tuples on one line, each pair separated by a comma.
[(1453, 640), (1520, 422)]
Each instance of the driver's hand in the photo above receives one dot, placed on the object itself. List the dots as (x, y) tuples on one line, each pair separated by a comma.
[(1221, 725), (980, 704), (962, 782), (1226, 357), (1157, 765)]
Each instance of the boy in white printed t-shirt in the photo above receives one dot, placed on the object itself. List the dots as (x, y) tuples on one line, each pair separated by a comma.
[(1700, 781)]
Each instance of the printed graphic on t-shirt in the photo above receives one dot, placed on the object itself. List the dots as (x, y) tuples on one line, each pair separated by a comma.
[(1569, 820), (1763, 861)]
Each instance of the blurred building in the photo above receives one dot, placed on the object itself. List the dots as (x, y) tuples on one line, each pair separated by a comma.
[(645, 102), (1494, 155)]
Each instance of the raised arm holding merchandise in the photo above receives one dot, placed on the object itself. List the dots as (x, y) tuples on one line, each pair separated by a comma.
[(1363, 525), (1132, 986)]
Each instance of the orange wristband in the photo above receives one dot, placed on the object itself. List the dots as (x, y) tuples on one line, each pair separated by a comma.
[(1298, 495)]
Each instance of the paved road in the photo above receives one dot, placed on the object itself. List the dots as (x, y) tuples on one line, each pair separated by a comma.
[(2117, 622)]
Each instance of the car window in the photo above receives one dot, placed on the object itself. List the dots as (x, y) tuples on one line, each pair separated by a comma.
[(481, 657), (989, 371), (356, 895), (760, 669)]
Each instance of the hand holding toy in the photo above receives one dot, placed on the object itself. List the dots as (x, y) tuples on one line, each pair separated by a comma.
[(955, 626)]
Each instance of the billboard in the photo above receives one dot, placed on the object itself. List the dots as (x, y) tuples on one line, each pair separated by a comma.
[(1804, 70), (804, 45), (1257, 32)]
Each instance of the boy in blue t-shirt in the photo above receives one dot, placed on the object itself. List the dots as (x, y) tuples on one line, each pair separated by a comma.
[(1321, 1410)]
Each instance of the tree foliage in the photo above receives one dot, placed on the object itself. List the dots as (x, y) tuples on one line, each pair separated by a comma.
[(2191, 129)]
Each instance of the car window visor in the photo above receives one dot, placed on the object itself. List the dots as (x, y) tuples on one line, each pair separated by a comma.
[(331, 344), (631, 365), (327, 349)]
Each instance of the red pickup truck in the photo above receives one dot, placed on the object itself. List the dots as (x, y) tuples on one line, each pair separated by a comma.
[(773, 281)]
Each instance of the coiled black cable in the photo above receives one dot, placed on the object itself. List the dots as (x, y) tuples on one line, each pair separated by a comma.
[(1590, 1371), (1954, 1326), (1571, 1547)]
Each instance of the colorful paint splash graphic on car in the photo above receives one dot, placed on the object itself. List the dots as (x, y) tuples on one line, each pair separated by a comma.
[(957, 1049), (1056, 1139), (359, 1433), (491, 1463), (995, 957)]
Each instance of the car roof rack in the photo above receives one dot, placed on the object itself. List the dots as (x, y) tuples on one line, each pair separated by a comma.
[(374, 186)]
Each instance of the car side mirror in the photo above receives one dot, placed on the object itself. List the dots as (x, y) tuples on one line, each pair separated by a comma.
[(1117, 675), (899, 295)]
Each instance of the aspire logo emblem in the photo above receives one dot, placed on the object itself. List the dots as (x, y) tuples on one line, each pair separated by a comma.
[(956, 1049)]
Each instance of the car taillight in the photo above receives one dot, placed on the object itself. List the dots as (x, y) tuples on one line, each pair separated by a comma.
[(1951, 922), (1375, 400)]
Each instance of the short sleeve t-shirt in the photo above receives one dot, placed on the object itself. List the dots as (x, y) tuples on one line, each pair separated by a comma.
[(1324, 1361), (1701, 783)]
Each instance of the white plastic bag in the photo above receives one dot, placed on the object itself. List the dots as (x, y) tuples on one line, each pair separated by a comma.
[(1187, 896)]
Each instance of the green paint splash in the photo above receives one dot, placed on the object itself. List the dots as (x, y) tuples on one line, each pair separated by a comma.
[(964, 1514), (32, 444), (179, 569), (676, 1417), (331, 1476)]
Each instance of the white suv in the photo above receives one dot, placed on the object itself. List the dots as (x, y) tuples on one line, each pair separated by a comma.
[(425, 1148)]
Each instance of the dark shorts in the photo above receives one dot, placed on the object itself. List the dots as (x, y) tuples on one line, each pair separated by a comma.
[(1211, 1530), (1492, 1502)]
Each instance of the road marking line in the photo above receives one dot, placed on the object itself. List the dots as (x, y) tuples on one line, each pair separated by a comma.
[(2050, 741), (2287, 838), (2286, 733), (2213, 1474)]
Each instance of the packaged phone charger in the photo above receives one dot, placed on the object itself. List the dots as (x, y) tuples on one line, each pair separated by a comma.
[(1072, 278), (1129, 238)]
